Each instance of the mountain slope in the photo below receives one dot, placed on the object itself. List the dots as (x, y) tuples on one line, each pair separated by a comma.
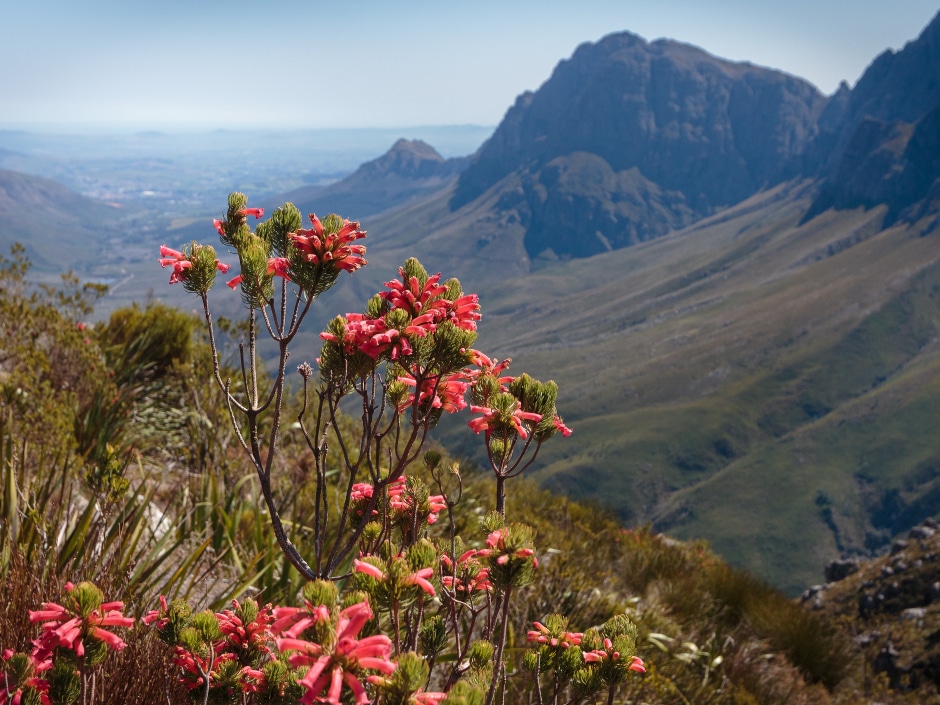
[(409, 170), (672, 131), (880, 142), (710, 374), (59, 228)]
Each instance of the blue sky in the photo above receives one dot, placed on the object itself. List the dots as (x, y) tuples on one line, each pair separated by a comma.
[(376, 64)]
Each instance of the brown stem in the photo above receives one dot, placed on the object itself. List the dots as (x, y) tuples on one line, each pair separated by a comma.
[(501, 495), (500, 645)]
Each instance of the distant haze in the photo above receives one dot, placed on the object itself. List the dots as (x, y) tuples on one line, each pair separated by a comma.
[(306, 63)]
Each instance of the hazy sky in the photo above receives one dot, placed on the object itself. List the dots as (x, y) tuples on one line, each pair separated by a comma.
[(367, 63)]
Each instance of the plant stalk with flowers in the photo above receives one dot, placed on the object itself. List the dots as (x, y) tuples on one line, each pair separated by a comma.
[(75, 636), (407, 359)]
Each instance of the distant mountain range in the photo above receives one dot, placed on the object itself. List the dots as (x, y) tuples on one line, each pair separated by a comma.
[(734, 279), (409, 170)]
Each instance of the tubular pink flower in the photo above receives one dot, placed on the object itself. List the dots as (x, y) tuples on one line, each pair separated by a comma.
[(254, 635), (317, 247), (559, 425), (368, 569), (445, 393), (256, 212), (277, 266), (464, 312), (180, 262), (292, 621), (414, 298), (349, 657), (420, 578), (64, 628), (159, 616), (493, 417)]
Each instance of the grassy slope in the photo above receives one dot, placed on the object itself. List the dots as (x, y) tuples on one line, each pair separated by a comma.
[(722, 378)]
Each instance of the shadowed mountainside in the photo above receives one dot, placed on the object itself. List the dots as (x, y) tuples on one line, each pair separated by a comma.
[(880, 142), (629, 139)]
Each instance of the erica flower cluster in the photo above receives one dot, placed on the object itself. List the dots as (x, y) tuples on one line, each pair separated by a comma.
[(466, 575), (317, 245), (308, 654), (403, 501), (310, 257), (74, 635), (183, 263), (410, 310)]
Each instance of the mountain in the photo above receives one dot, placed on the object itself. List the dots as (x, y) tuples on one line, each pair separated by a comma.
[(764, 377), (59, 228), (409, 170), (734, 279), (880, 142), (629, 139)]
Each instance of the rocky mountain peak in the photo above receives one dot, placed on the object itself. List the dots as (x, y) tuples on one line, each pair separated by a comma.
[(681, 132)]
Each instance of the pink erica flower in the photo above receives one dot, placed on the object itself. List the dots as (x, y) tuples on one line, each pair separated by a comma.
[(488, 367), (251, 638), (409, 295), (446, 393), (180, 263), (258, 213), (464, 312), (68, 627), (368, 569), (291, 622), (277, 266), (559, 425), (160, 616), (466, 575), (194, 665), (20, 678), (608, 653), (342, 663), (496, 546), (419, 578), (494, 418), (334, 249), (543, 635)]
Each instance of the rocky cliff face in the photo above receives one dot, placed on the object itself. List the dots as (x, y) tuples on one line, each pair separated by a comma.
[(629, 139), (880, 142)]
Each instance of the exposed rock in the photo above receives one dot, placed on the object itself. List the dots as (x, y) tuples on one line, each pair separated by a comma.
[(840, 569), (898, 546), (914, 613), (674, 132), (921, 532), (880, 142)]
